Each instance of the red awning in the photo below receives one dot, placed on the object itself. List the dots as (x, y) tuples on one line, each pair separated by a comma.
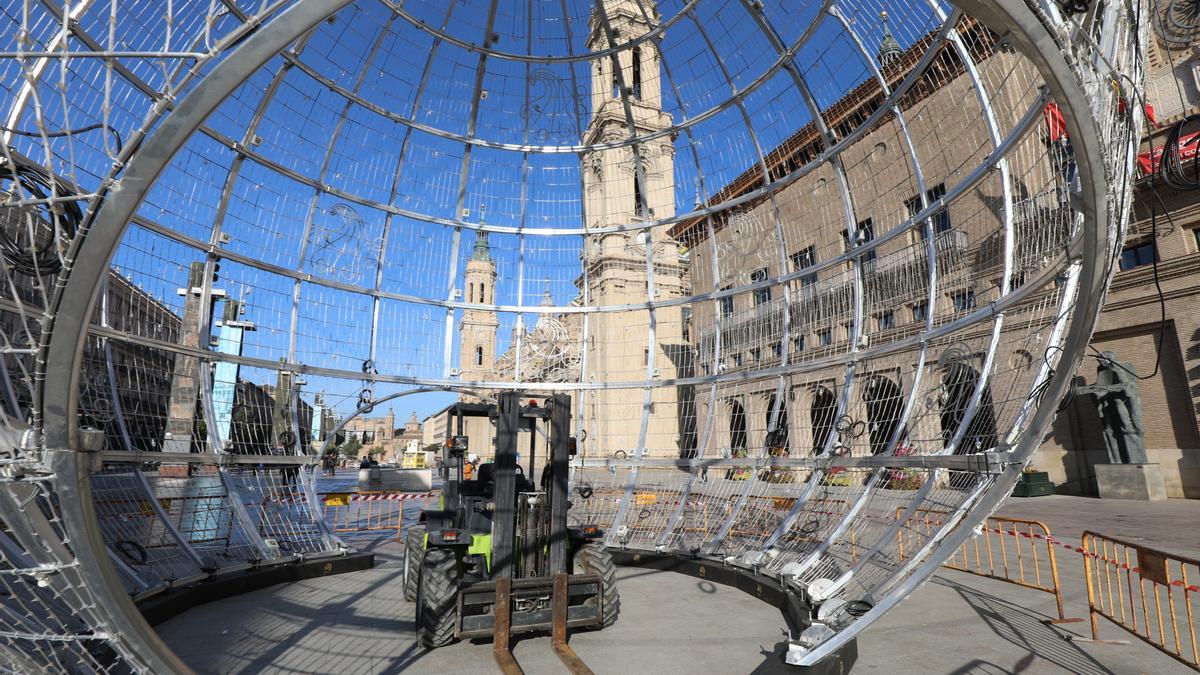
[(1055, 124), (1188, 147)]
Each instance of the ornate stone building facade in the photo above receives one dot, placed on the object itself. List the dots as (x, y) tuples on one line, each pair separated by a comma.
[(1150, 318), (1156, 331), (383, 434), (808, 409), (630, 185)]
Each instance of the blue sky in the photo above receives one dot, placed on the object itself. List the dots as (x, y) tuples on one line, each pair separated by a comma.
[(267, 213)]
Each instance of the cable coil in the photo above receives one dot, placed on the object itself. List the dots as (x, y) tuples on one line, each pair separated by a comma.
[(65, 217)]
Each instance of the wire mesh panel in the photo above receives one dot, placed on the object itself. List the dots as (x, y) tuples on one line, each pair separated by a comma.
[(139, 532), (807, 269), (276, 500), (50, 617), (205, 512)]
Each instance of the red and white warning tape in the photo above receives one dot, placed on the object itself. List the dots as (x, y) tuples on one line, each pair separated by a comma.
[(349, 496), (384, 497)]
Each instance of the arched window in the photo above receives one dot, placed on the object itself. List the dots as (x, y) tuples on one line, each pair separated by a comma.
[(479, 356), (777, 437), (958, 386), (482, 293), (470, 292), (639, 203), (637, 73), (884, 402), (824, 408), (737, 426), (616, 74)]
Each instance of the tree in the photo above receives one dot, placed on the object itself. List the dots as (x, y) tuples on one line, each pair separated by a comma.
[(350, 448)]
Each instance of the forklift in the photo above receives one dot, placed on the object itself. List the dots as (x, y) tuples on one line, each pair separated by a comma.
[(497, 557)]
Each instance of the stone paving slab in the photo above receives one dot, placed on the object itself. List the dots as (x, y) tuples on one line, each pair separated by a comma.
[(957, 623), (1172, 525)]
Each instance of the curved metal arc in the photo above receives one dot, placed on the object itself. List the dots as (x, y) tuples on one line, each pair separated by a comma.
[(109, 606), (654, 34), (293, 396), (843, 181), (580, 400), (639, 208), (249, 527), (395, 189), (523, 215), (889, 535), (715, 269), (207, 406), (34, 74), (464, 171), (1040, 46), (59, 393), (231, 178), (832, 150), (847, 520), (64, 338), (688, 121), (374, 403), (110, 371), (152, 500), (779, 398), (1027, 121), (983, 381)]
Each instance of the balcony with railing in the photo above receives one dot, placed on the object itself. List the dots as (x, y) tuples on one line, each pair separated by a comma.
[(890, 279)]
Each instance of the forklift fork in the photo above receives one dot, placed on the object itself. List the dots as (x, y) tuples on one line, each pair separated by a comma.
[(502, 545)]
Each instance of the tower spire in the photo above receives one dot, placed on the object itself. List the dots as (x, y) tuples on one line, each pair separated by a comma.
[(889, 49), (481, 252)]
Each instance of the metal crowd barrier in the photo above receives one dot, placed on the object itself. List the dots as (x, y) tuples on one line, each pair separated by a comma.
[(373, 511), (165, 529), (997, 552), (1124, 579)]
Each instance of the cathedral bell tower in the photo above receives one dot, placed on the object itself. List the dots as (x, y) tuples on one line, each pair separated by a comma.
[(477, 330), (627, 185)]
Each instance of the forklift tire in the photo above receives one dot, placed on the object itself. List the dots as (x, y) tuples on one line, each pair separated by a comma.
[(414, 547), (437, 598), (594, 558)]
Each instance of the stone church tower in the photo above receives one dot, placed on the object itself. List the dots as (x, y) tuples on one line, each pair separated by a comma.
[(477, 330), (626, 185)]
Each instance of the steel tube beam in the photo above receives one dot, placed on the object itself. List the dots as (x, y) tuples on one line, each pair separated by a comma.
[(1040, 45)]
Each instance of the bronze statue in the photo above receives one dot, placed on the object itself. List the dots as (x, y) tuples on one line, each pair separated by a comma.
[(1120, 407)]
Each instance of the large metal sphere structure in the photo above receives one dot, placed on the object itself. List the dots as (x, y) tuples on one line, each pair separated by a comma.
[(810, 272)]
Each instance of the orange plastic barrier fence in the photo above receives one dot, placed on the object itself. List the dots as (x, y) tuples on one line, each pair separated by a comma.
[(1015, 550), (347, 512), (1124, 580)]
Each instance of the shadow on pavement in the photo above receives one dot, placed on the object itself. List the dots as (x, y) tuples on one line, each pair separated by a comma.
[(1018, 626)]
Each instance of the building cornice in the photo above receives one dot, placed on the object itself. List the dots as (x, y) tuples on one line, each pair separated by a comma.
[(858, 104)]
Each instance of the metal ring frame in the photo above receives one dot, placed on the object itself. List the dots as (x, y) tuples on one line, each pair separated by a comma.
[(184, 109)]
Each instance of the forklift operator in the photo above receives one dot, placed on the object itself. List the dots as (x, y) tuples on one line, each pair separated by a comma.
[(485, 476)]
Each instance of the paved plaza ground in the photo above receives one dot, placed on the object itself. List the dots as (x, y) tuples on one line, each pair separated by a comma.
[(670, 623)]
